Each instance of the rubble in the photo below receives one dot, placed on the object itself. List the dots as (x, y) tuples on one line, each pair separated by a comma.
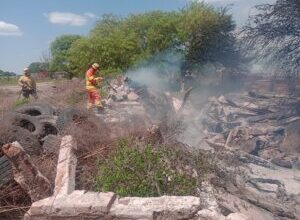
[(260, 132), (260, 125)]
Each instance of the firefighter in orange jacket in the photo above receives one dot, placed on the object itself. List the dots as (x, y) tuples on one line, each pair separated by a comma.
[(94, 98)]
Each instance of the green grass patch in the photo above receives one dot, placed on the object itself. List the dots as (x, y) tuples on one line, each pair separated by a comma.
[(133, 170), (20, 102), (8, 81)]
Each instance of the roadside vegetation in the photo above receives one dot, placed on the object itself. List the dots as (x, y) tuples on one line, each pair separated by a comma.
[(140, 169), (8, 81)]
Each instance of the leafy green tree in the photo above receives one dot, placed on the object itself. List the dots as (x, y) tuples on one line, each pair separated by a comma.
[(206, 34), (36, 67), (198, 33), (7, 74), (156, 31), (59, 50)]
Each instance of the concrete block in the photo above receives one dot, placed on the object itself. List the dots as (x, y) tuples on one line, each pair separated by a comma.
[(66, 167), (77, 204), (150, 208)]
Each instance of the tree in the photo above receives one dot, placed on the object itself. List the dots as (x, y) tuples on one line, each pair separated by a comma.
[(7, 74), (273, 35), (198, 34), (207, 35), (59, 51), (36, 67)]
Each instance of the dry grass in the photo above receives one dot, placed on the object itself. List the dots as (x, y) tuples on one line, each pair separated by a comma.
[(67, 93), (14, 202), (7, 100)]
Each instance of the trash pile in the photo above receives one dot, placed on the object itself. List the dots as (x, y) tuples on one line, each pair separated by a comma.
[(260, 125), (119, 91), (261, 134), (34, 127)]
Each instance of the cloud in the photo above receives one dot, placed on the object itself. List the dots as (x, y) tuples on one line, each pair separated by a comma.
[(90, 15), (67, 18), (7, 29)]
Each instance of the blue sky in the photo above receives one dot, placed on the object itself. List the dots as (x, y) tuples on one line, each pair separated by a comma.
[(27, 27)]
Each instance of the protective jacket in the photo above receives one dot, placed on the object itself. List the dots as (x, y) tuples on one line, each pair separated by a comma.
[(27, 82), (91, 82)]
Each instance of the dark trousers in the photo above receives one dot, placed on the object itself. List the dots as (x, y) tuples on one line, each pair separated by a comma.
[(29, 92)]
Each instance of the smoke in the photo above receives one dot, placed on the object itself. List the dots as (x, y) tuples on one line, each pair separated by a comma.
[(150, 77), (163, 73), (160, 72)]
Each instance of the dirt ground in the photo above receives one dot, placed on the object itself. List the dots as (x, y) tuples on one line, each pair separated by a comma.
[(59, 94), (44, 88)]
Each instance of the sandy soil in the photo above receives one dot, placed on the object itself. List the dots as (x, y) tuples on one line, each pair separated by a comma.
[(43, 89)]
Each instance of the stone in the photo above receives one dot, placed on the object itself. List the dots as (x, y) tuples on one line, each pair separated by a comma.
[(66, 167), (147, 208), (132, 96), (207, 214), (236, 216), (282, 163)]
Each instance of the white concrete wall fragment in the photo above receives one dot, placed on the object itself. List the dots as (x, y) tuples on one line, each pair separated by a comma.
[(66, 167), (75, 205), (148, 208)]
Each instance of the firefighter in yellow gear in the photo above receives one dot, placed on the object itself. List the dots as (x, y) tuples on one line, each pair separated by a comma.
[(92, 82), (28, 85)]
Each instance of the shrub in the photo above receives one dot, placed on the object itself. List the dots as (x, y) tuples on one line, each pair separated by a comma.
[(142, 171)]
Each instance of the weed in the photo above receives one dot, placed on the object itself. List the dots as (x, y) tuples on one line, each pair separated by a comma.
[(20, 102), (146, 171), (76, 97)]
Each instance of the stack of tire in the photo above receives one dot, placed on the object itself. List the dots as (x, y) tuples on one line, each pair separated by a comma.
[(34, 127)]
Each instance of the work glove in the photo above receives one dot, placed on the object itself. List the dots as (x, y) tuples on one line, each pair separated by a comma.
[(99, 79)]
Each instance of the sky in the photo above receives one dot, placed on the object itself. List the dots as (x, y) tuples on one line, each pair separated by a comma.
[(27, 27)]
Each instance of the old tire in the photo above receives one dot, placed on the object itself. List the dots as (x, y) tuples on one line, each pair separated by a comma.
[(28, 141), (51, 143), (39, 126), (36, 109), (68, 116), (27, 122), (5, 171), (47, 125)]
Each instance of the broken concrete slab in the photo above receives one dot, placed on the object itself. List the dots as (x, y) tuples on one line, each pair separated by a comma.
[(26, 174), (77, 205), (148, 208)]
